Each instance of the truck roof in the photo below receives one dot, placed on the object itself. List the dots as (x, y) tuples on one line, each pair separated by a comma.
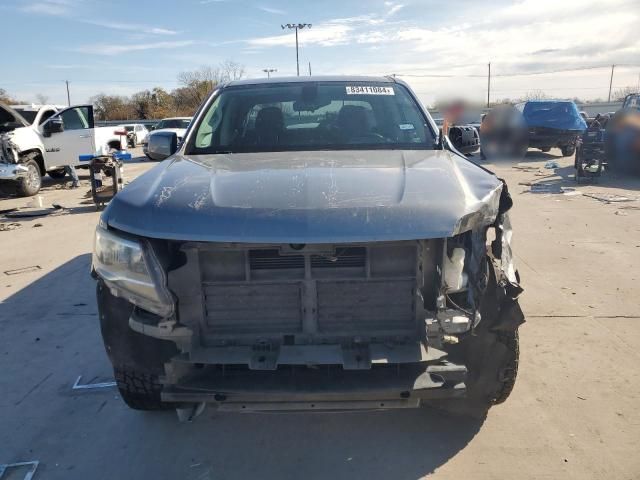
[(314, 78), (34, 107)]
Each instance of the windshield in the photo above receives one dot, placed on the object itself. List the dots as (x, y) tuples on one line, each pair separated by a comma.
[(312, 116), (128, 128), (173, 123), (28, 115), (632, 101)]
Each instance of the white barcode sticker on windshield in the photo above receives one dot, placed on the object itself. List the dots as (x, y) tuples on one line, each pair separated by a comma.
[(369, 90)]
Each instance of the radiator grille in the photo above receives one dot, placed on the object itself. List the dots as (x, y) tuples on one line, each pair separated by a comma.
[(241, 308), (344, 290), (365, 306), (272, 260)]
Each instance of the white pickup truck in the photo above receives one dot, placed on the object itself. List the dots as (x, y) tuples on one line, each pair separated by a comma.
[(39, 139)]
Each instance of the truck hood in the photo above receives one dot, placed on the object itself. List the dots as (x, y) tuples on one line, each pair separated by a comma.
[(178, 131), (308, 197), (8, 114)]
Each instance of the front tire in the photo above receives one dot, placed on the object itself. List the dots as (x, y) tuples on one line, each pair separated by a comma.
[(139, 390), (137, 360), (29, 185)]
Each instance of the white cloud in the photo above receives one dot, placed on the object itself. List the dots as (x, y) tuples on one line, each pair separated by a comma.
[(130, 27), (49, 7), (326, 35), (117, 49), (67, 8), (393, 7), (275, 11), (338, 31)]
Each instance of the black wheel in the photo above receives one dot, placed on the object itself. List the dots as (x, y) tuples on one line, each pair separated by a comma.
[(30, 184), (138, 360), (57, 174), (568, 150), (545, 149), (140, 390)]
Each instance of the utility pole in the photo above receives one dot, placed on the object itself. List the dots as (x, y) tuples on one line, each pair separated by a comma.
[(68, 96), (309, 68), (296, 27), (269, 71), (489, 85), (611, 82)]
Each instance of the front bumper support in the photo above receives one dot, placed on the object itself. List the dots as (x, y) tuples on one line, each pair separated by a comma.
[(320, 388)]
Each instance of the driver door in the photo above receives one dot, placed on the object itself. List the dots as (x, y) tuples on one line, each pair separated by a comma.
[(77, 138)]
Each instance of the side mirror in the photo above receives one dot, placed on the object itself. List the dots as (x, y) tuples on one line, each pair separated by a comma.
[(55, 125), (162, 145)]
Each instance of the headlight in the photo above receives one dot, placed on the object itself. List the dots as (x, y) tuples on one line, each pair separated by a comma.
[(131, 270)]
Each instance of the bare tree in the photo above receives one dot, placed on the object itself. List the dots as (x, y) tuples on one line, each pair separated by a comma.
[(6, 98), (536, 95), (231, 70), (197, 84), (620, 93), (42, 99)]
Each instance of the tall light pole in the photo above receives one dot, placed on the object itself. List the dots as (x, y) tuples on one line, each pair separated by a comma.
[(610, 82), (269, 71), (489, 86), (296, 27)]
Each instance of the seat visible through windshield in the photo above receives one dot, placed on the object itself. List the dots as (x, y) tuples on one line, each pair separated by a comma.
[(312, 116)]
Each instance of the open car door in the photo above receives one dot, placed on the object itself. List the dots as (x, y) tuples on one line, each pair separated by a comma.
[(64, 144)]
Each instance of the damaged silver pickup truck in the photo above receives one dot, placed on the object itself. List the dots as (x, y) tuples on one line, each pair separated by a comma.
[(312, 244)]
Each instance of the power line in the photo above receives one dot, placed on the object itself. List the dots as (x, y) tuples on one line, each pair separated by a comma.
[(512, 74)]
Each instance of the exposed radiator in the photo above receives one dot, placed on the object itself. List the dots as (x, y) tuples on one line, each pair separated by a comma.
[(339, 290)]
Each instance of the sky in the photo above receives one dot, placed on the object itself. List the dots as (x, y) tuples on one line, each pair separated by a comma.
[(441, 48)]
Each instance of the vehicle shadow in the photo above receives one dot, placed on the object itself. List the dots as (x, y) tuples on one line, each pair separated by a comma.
[(51, 332)]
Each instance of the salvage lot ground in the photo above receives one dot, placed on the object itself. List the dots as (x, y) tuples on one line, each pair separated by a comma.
[(573, 413)]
